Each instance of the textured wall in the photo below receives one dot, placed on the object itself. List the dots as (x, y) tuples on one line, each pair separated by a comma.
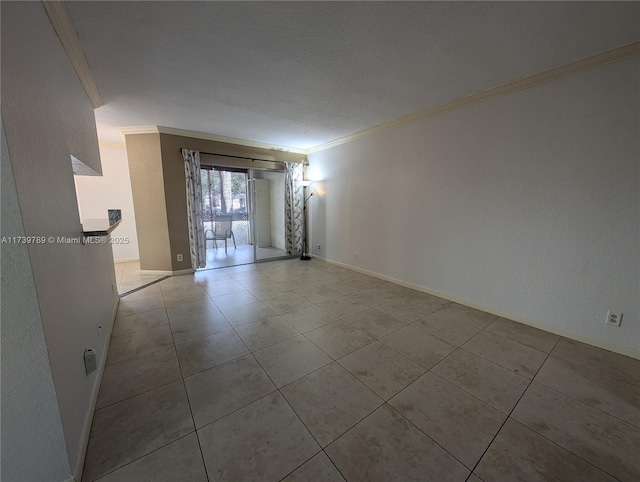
[(526, 205), (47, 118), (31, 425), (112, 190), (277, 208), (147, 186)]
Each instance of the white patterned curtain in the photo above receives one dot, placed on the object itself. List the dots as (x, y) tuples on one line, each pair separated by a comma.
[(194, 208), (293, 207)]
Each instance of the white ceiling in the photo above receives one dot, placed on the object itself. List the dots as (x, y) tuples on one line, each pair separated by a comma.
[(300, 74)]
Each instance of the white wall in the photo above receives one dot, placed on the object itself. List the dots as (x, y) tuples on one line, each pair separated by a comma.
[(525, 205), (31, 424), (47, 118), (277, 208), (262, 210), (112, 190)]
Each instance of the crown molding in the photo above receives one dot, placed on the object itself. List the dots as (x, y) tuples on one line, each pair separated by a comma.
[(111, 144), (125, 131), (209, 137), (138, 130), (229, 140), (61, 22), (556, 73), (592, 62)]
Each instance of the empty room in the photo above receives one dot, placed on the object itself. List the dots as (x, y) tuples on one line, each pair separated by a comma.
[(320, 241)]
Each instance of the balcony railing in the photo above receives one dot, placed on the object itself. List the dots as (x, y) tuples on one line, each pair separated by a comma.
[(241, 229)]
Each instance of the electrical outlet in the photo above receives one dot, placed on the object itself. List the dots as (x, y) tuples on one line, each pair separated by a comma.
[(318, 248), (179, 257), (90, 364), (99, 328), (613, 318)]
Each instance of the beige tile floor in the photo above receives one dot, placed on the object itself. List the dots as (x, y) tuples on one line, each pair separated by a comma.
[(217, 258), (303, 371)]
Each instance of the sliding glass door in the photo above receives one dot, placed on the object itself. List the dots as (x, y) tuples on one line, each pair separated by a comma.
[(243, 212)]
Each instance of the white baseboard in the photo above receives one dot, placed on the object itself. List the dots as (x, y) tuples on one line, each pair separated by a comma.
[(630, 352), (157, 272), (125, 260), (88, 420)]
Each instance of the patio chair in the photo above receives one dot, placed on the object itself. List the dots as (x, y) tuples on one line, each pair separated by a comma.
[(222, 230)]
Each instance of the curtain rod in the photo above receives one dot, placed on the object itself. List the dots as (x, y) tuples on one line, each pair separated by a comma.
[(236, 157)]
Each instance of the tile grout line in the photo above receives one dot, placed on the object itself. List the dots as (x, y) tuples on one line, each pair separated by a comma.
[(348, 429), (486, 359), (384, 402), (143, 354), (593, 369), (411, 323), (186, 392), (239, 408), (507, 338), (507, 416), (184, 386), (511, 412), (277, 389), (139, 331), (473, 396), (548, 356), (562, 448), (145, 391), (142, 456), (512, 341), (425, 433), (554, 442), (187, 396), (637, 427), (336, 360), (438, 337)]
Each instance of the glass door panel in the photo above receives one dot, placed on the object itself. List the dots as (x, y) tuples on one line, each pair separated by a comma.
[(225, 216), (268, 214)]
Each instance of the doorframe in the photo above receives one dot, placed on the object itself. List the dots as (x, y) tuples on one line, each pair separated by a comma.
[(253, 222), (247, 172)]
